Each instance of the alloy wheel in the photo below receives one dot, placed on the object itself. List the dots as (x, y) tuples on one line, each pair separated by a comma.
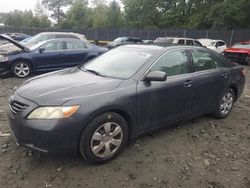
[(106, 140), (21, 70), (226, 103)]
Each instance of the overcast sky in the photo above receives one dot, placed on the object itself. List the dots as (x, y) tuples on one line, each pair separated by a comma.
[(10, 5)]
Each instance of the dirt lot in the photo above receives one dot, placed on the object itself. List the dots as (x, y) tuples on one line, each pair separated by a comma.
[(201, 153)]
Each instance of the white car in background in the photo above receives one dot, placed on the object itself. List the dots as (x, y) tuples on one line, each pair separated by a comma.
[(216, 45)]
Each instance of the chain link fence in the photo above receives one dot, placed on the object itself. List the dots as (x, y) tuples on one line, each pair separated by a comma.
[(229, 36)]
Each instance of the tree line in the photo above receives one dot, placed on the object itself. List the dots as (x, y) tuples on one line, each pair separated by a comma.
[(136, 14)]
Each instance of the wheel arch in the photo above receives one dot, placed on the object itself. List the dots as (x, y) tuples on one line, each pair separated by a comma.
[(127, 117), (25, 60), (235, 90)]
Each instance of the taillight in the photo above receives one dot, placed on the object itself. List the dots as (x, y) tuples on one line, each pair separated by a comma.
[(243, 72)]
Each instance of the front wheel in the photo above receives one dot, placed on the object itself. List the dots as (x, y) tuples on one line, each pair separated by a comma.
[(21, 69), (103, 138), (225, 104)]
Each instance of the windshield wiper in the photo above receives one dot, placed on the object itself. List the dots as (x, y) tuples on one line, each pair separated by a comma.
[(94, 72)]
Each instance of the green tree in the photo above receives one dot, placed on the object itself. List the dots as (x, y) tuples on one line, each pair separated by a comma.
[(79, 15), (114, 15), (56, 6), (142, 13)]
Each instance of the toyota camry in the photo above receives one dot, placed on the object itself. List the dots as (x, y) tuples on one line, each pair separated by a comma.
[(97, 108)]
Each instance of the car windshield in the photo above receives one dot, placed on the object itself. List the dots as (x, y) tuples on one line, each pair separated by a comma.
[(242, 45), (37, 38), (119, 39), (119, 63)]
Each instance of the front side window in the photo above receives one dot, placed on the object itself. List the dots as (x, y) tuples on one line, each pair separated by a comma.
[(75, 45), (190, 42), (181, 42), (197, 43), (173, 63), (202, 60), (54, 45)]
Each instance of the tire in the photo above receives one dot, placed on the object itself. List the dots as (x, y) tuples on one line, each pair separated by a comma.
[(21, 69), (224, 104), (104, 138)]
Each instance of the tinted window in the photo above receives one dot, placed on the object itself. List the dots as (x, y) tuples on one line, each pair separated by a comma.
[(181, 42), (173, 63), (197, 43), (54, 45), (71, 45), (190, 42), (220, 43), (202, 60)]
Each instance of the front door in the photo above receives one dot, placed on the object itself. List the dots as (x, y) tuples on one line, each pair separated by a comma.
[(159, 103), (51, 57)]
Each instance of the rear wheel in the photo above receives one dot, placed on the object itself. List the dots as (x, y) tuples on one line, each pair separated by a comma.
[(103, 138), (21, 69), (225, 104)]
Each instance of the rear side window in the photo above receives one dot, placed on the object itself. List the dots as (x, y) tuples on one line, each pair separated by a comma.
[(202, 60), (75, 45), (173, 63)]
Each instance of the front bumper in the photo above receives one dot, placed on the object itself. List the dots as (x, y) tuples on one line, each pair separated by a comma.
[(49, 136)]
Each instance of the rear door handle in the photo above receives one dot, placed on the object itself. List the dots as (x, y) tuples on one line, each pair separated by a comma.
[(188, 83)]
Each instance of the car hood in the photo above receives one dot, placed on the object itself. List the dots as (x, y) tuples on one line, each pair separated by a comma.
[(61, 86), (17, 44), (238, 50)]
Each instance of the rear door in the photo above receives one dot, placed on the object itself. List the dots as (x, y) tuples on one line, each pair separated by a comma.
[(76, 53), (209, 80)]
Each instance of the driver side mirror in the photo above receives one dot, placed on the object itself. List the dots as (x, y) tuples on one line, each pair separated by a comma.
[(41, 50), (159, 76)]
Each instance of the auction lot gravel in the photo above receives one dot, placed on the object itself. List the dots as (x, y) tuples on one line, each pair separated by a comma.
[(200, 153)]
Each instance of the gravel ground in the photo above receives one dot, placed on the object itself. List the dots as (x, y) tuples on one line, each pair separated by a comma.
[(201, 153)]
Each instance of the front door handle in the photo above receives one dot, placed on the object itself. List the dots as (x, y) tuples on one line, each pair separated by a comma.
[(188, 83), (224, 75)]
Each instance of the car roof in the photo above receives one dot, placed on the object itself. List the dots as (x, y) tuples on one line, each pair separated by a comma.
[(71, 33), (176, 38), (159, 49)]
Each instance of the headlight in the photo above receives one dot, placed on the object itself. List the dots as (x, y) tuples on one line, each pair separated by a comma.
[(4, 58), (53, 112)]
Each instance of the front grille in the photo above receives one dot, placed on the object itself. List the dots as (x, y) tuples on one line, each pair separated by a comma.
[(16, 107), (237, 57)]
